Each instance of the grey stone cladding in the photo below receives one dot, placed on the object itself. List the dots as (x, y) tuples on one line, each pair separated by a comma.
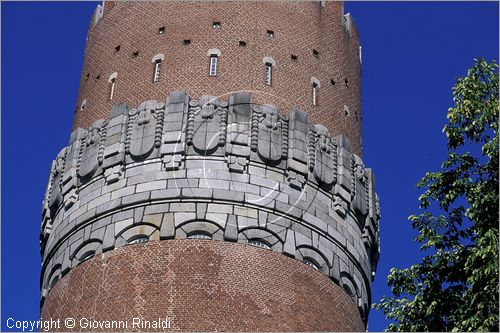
[(228, 170)]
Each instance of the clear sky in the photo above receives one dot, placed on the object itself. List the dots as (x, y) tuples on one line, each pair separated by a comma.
[(412, 54)]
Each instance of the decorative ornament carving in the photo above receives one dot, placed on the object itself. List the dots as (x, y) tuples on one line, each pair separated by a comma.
[(325, 157), (206, 125), (238, 132), (144, 129), (174, 136), (360, 187), (269, 134), (91, 153), (54, 196), (114, 173), (297, 139)]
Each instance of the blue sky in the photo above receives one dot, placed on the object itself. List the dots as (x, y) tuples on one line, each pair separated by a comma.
[(412, 54)]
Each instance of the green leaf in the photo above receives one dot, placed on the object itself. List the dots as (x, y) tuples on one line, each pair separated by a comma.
[(455, 286)]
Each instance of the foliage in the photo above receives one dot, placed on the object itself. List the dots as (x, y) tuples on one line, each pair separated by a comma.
[(455, 287)]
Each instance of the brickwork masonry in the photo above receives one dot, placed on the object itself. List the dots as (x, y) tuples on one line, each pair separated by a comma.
[(230, 170), (306, 42), (200, 285)]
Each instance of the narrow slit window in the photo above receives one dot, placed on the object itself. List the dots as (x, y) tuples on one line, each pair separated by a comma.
[(213, 65), (112, 88), (112, 85), (314, 93), (268, 73), (157, 71), (82, 106)]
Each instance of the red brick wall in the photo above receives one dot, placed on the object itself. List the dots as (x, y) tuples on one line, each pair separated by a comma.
[(203, 285), (299, 28)]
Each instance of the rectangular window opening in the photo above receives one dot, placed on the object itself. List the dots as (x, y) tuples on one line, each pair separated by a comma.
[(314, 94), (161, 30), (270, 33), (187, 41), (294, 57), (213, 65), (216, 25), (112, 89), (316, 53), (156, 76), (268, 74), (242, 43)]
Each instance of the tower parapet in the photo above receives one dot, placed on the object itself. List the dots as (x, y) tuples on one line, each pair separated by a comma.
[(226, 170)]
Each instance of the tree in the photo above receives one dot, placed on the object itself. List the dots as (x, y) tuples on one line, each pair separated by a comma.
[(455, 287)]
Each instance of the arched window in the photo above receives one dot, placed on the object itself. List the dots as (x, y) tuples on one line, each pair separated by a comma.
[(213, 65), (346, 110), (311, 262), (259, 243), (157, 59), (199, 235), (315, 84), (268, 70), (84, 103), (112, 83), (87, 256), (214, 55), (138, 240)]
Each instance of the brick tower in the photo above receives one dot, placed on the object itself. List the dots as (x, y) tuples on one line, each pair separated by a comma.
[(213, 178)]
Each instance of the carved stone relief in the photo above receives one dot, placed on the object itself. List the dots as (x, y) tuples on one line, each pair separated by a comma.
[(269, 134), (238, 132), (92, 150), (325, 157), (206, 127), (298, 149), (173, 140), (144, 129)]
